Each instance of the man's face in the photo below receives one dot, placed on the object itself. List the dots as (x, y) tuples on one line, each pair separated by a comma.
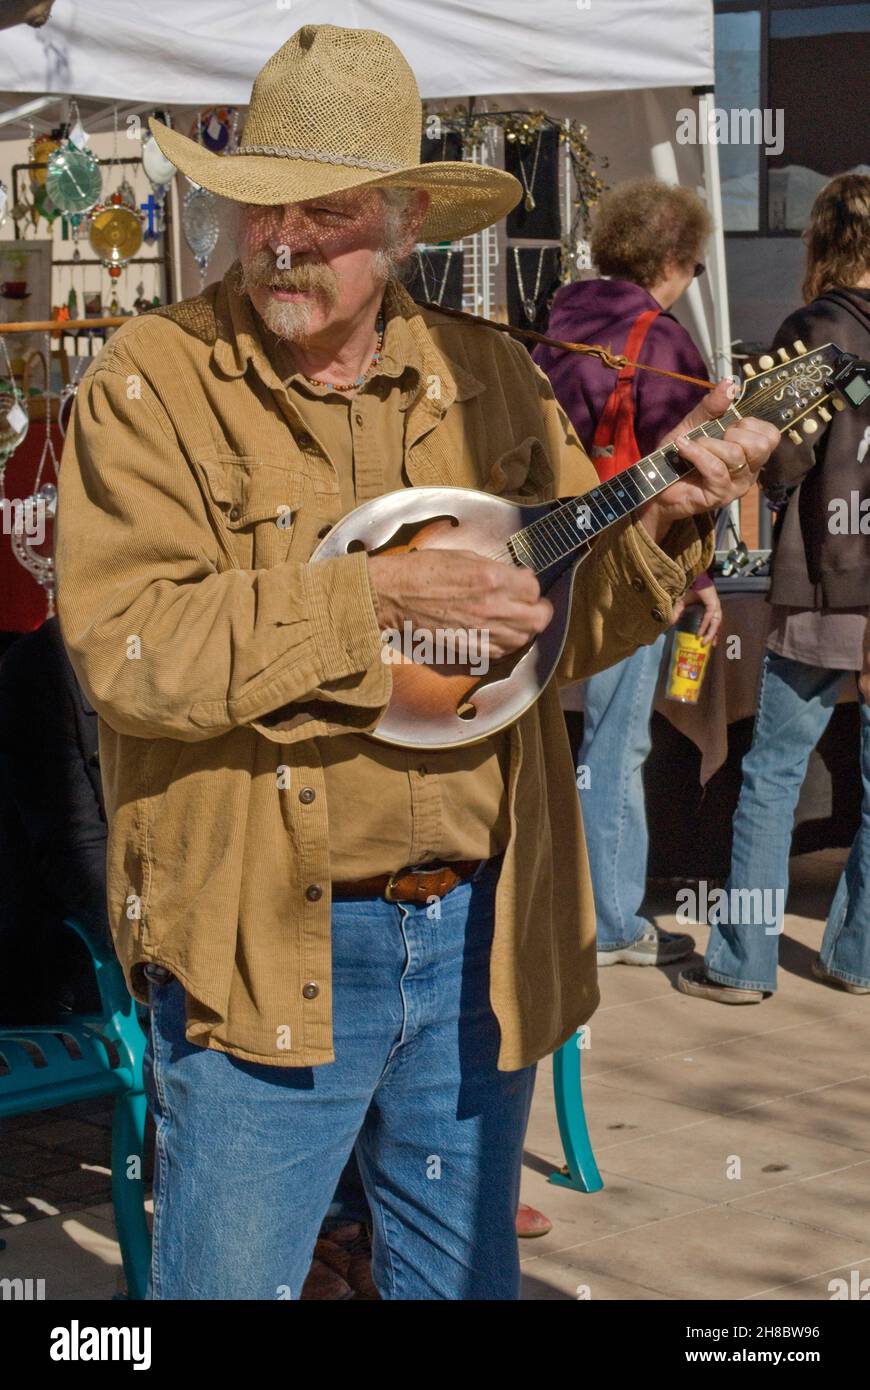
[(308, 266)]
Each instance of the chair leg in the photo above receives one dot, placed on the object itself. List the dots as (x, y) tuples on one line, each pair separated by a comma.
[(582, 1170), (128, 1192)]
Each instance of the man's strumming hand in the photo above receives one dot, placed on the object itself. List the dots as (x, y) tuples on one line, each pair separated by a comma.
[(457, 590)]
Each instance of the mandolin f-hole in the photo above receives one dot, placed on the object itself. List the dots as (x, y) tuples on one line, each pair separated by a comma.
[(402, 539)]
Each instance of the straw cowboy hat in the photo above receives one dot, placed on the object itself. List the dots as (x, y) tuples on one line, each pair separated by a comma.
[(335, 109)]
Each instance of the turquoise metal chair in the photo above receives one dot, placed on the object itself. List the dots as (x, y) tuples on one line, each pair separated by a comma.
[(82, 1056), (580, 1170)]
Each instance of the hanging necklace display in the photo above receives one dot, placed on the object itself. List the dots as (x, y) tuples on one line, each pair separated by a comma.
[(154, 210), (426, 292), (67, 396), (115, 226), (73, 180), (115, 231), (529, 303), (199, 222), (41, 148), (528, 184), (43, 499), (159, 172), (215, 128), (14, 420)]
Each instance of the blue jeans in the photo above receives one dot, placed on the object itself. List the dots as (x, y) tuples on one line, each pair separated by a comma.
[(616, 744), (795, 704), (248, 1155)]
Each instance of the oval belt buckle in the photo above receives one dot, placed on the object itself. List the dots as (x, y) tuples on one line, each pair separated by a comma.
[(389, 891)]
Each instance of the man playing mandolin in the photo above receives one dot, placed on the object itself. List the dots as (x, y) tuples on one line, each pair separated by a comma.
[(346, 945)]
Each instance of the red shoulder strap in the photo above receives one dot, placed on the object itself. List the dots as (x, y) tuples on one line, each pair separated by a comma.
[(614, 446)]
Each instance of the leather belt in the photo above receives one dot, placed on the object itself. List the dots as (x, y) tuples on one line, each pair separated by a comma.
[(411, 885)]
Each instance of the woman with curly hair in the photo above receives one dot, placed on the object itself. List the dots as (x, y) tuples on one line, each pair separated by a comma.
[(647, 244)]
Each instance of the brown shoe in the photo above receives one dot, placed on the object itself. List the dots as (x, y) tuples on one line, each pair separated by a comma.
[(348, 1250), (822, 974), (531, 1222), (696, 982), (323, 1285)]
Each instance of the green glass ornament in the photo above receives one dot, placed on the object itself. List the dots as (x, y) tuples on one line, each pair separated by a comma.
[(73, 180)]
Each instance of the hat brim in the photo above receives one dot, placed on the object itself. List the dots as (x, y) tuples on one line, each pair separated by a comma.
[(464, 198)]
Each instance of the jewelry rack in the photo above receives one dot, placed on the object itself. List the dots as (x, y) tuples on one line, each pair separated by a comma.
[(582, 186)]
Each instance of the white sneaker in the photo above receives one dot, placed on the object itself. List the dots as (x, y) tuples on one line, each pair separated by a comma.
[(655, 947)]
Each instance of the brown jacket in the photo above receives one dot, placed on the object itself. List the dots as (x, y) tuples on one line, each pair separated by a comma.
[(817, 564), (218, 660)]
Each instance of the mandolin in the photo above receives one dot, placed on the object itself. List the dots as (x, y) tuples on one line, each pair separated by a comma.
[(445, 692)]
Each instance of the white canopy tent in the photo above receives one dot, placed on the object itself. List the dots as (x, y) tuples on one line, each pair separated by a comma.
[(625, 68)]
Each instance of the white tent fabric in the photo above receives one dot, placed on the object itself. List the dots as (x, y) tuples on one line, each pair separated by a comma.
[(196, 52)]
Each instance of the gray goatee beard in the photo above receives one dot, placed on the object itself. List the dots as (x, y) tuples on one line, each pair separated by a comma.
[(286, 320)]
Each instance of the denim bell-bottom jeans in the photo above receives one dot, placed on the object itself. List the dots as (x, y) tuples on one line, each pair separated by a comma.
[(616, 744), (795, 704), (248, 1156)]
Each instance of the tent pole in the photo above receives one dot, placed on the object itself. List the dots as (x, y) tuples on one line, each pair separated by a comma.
[(722, 363)]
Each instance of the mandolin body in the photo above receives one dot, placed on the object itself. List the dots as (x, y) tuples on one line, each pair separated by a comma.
[(450, 693)]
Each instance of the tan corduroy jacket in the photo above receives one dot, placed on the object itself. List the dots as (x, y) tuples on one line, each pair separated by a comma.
[(218, 661)]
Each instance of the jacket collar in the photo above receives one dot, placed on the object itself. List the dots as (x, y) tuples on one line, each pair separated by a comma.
[(408, 347)]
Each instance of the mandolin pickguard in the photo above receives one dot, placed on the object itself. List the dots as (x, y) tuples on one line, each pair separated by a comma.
[(424, 709)]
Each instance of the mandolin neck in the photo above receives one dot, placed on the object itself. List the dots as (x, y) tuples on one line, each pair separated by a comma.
[(567, 529)]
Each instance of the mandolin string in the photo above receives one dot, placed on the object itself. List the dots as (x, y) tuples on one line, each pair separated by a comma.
[(759, 398)]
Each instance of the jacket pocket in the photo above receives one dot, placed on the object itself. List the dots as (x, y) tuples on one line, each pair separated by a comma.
[(524, 471), (253, 505)]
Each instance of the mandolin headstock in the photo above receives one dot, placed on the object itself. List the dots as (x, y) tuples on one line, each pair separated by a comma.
[(798, 393)]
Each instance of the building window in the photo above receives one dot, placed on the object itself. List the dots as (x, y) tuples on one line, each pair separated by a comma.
[(804, 66)]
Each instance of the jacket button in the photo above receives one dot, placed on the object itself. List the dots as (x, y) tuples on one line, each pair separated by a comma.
[(307, 795), (235, 513), (314, 892), (637, 584), (358, 417), (303, 440), (658, 615), (311, 990)]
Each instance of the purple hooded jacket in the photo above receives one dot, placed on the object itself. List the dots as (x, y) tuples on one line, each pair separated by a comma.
[(603, 311)]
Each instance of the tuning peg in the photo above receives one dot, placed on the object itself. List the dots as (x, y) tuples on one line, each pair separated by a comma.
[(825, 413), (765, 362), (795, 436), (799, 346), (748, 369), (809, 425), (838, 403), (782, 354)]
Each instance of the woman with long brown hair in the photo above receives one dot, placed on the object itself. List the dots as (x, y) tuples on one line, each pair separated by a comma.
[(818, 638)]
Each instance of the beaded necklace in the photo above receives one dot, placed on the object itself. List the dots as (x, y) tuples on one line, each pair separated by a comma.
[(376, 357)]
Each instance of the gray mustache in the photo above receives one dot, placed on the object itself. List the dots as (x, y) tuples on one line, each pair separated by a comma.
[(262, 270)]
